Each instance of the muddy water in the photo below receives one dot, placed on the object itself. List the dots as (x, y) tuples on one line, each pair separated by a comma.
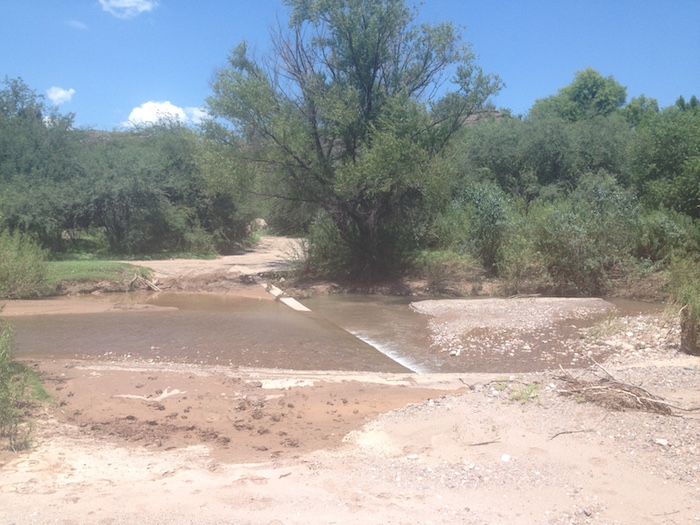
[(393, 327), (387, 323), (201, 328), (344, 332)]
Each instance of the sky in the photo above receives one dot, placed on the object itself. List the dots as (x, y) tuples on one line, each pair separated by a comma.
[(115, 63)]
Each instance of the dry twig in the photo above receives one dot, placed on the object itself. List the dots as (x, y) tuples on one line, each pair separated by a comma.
[(570, 432), (611, 393), (484, 443)]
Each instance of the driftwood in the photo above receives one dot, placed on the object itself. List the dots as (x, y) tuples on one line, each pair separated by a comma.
[(613, 394), (143, 282)]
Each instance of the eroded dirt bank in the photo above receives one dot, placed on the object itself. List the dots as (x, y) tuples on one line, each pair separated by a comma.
[(128, 442)]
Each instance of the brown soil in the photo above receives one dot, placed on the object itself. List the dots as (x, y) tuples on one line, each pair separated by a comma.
[(270, 256), (173, 444), (244, 418)]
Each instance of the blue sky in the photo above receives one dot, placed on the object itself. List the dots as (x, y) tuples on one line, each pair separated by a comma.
[(114, 61)]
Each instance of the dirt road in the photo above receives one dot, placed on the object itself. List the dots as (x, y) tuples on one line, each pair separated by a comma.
[(129, 442), (271, 254)]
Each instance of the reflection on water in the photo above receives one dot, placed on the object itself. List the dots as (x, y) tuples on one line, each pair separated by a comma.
[(205, 328)]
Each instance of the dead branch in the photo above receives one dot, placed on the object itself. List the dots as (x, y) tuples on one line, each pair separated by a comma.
[(143, 282), (611, 393), (482, 443), (570, 432), (603, 369)]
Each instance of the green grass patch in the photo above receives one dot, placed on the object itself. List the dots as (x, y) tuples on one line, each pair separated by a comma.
[(35, 389), (86, 270), (525, 393)]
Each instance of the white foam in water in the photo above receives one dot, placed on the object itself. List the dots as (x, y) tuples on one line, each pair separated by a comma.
[(390, 353)]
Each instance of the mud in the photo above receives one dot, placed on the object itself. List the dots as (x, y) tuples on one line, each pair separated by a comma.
[(242, 418)]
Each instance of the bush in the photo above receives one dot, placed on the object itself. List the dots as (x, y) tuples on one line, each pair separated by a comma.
[(13, 394), (583, 237), (388, 254), (489, 221), (568, 251), (521, 266), (23, 268), (449, 227), (661, 232), (685, 295), (324, 254), (443, 269), (689, 298)]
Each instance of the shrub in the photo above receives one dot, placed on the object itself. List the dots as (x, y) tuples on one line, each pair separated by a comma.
[(685, 295), (568, 252), (449, 228), (443, 269), (22, 266), (659, 233), (351, 256), (13, 394), (325, 254), (489, 222), (521, 266), (689, 298), (583, 237)]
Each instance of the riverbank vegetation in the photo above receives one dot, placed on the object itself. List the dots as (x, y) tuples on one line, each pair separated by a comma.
[(374, 138), (20, 389)]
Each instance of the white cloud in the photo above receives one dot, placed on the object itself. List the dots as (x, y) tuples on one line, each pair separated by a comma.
[(128, 8), (76, 24), (58, 95), (196, 115), (151, 112)]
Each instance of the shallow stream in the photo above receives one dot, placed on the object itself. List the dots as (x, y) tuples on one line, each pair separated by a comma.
[(343, 332)]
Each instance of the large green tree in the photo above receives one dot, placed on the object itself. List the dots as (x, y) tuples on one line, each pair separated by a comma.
[(147, 190), (666, 159), (37, 162), (589, 95), (640, 109), (349, 112), (544, 156)]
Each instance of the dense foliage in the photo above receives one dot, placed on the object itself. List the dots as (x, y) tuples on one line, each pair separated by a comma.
[(586, 188), (137, 191), (373, 137)]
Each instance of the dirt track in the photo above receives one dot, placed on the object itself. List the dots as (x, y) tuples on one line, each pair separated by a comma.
[(141, 443), (224, 273)]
